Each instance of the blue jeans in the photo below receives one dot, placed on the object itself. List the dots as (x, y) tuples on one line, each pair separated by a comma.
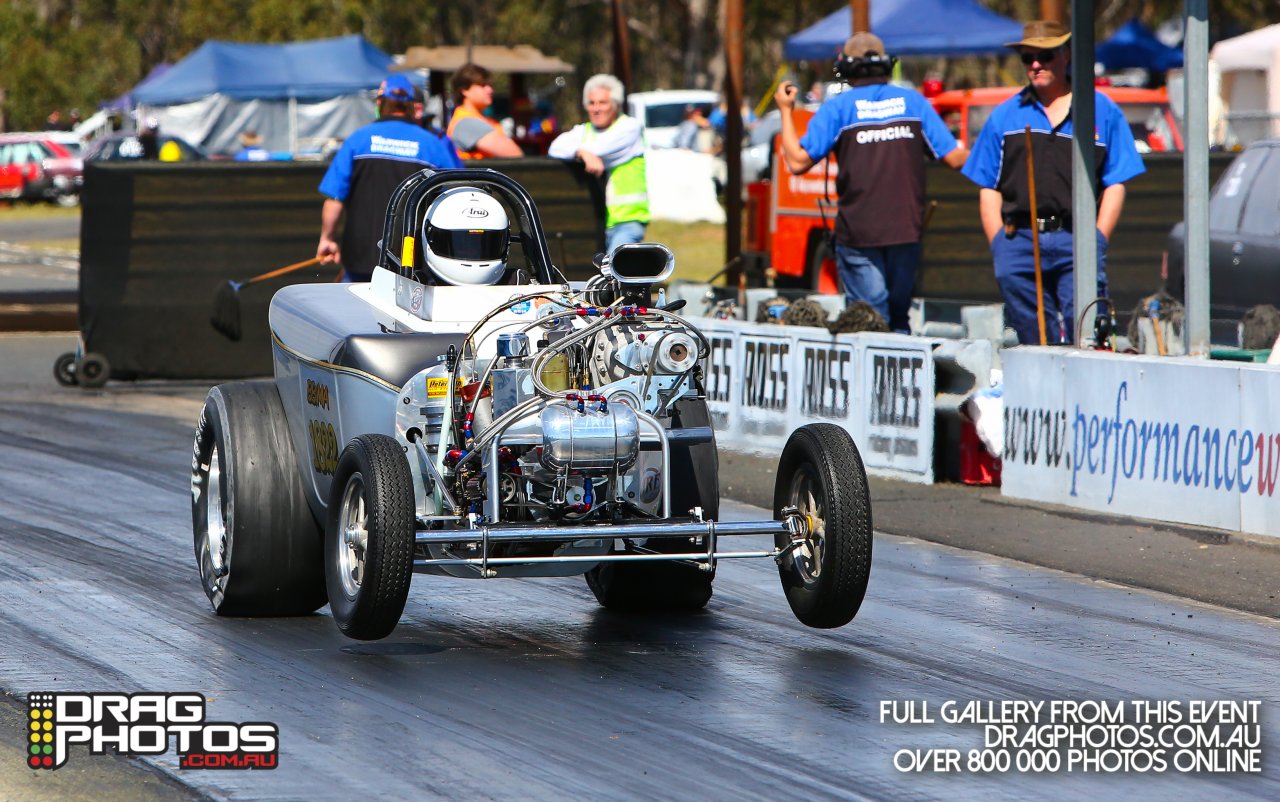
[(862, 277), (623, 234), (1016, 274)]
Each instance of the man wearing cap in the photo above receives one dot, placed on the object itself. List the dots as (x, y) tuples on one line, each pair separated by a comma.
[(880, 134), (367, 169), (999, 167)]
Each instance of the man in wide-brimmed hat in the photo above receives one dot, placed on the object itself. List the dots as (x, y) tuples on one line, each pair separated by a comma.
[(998, 165)]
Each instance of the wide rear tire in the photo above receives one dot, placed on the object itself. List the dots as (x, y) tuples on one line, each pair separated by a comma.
[(369, 537), (257, 545), (646, 587), (821, 474)]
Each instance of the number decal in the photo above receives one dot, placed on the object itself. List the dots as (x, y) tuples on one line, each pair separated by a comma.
[(324, 447)]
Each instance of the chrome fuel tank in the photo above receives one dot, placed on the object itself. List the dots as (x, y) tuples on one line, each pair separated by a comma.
[(589, 441)]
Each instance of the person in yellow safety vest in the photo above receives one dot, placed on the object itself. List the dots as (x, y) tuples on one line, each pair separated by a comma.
[(475, 135), (611, 145)]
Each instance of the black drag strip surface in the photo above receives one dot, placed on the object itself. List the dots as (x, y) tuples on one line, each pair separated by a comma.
[(528, 690)]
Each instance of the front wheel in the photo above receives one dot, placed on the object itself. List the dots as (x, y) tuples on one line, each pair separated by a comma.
[(825, 575), (369, 537)]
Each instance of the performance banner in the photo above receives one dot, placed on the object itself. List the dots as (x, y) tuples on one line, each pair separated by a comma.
[(1171, 439), (764, 381)]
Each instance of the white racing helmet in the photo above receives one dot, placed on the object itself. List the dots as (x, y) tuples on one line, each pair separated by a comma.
[(466, 237)]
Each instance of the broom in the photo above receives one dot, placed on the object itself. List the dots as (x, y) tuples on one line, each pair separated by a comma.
[(226, 304)]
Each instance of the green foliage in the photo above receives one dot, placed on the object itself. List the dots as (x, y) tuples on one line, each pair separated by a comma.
[(65, 53)]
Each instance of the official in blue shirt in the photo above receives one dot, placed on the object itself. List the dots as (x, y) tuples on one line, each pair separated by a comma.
[(999, 166), (881, 135), (365, 171)]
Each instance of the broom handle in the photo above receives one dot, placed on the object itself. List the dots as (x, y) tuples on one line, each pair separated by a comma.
[(280, 271), (1035, 237)]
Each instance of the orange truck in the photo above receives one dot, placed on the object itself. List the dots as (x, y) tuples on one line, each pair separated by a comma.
[(790, 215)]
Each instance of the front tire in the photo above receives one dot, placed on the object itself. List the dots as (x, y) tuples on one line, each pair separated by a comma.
[(644, 587), (369, 537), (257, 545), (821, 474)]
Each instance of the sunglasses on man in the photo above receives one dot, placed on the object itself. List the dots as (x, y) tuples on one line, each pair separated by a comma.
[(1042, 56)]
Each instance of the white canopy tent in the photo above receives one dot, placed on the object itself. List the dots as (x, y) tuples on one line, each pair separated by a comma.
[(1250, 67)]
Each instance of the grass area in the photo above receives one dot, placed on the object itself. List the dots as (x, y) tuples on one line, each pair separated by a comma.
[(14, 212), (68, 244), (699, 247)]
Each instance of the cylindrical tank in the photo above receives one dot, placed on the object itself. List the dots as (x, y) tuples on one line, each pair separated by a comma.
[(591, 441)]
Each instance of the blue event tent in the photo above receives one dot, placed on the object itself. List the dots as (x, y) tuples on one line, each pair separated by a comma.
[(912, 28), (1134, 45), (312, 70), (296, 95)]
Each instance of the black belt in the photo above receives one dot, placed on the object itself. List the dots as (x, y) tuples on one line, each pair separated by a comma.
[(1053, 222)]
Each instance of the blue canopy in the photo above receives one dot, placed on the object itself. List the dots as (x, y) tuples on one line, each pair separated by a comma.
[(912, 28), (1134, 45), (312, 70)]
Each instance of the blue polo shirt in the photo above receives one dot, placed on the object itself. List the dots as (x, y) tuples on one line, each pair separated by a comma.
[(881, 135), (998, 159), (365, 171)]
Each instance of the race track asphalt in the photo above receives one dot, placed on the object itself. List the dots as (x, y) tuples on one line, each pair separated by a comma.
[(528, 690)]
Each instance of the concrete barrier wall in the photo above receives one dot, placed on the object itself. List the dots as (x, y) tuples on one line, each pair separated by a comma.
[(158, 240), (1172, 439), (765, 381)]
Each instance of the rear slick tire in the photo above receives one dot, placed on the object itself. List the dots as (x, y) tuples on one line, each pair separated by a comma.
[(369, 537), (257, 545), (652, 587), (821, 474)]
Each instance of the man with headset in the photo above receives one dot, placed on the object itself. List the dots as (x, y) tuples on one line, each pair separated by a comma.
[(879, 133)]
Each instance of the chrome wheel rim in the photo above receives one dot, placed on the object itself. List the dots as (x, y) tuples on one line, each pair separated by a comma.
[(807, 496), (215, 518), (353, 529)]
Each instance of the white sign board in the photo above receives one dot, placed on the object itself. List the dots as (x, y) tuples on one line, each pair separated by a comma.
[(1173, 439), (763, 382)]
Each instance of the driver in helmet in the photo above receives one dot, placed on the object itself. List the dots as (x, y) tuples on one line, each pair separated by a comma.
[(465, 238)]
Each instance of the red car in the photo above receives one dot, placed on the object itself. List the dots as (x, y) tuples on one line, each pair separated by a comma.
[(1154, 128), (34, 167)]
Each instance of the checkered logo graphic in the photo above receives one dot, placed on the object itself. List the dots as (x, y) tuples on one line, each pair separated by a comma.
[(144, 724)]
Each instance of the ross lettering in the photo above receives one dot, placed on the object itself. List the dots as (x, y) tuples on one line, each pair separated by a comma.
[(765, 382), (720, 368), (826, 382), (895, 382)]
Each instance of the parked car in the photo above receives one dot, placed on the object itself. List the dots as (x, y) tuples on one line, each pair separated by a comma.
[(126, 146), (1244, 240), (34, 167), (1154, 127), (661, 112)]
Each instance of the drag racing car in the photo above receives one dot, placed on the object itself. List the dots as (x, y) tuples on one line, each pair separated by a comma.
[(470, 413)]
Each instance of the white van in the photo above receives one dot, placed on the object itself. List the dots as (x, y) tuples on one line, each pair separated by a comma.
[(661, 112)]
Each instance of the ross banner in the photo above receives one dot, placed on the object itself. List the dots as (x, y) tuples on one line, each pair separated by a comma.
[(764, 381), (1171, 439)]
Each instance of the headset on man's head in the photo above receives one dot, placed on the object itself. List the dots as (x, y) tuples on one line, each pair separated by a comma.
[(848, 68)]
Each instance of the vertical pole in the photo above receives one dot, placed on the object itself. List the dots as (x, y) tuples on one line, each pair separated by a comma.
[(1084, 192), (1056, 11), (733, 139), (1195, 160), (860, 16), (621, 45)]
